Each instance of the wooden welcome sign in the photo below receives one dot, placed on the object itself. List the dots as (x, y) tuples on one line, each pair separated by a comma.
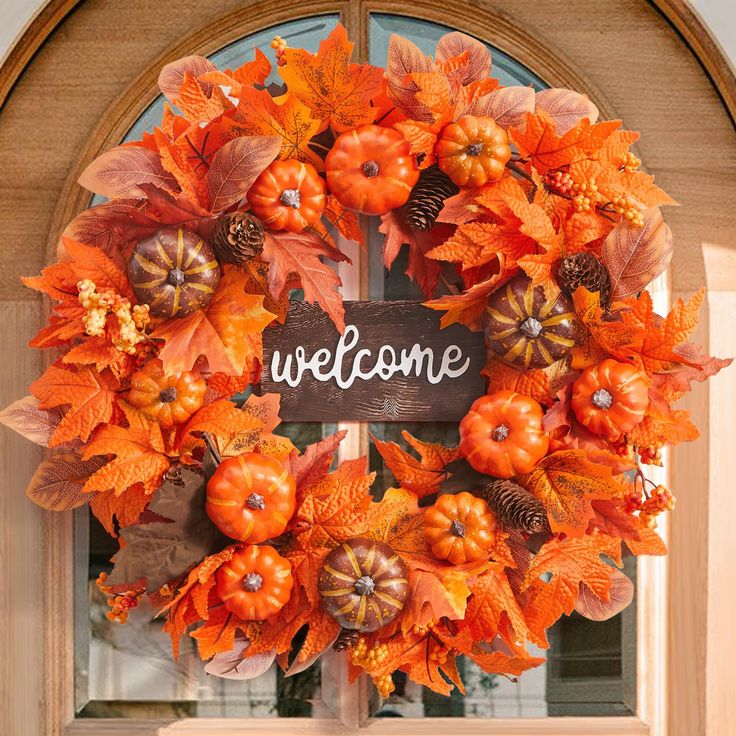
[(393, 363)]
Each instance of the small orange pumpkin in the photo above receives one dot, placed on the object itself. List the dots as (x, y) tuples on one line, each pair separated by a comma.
[(610, 398), (502, 434), (473, 151), (251, 497), (255, 583), (459, 528), (170, 400), (371, 169), (288, 195)]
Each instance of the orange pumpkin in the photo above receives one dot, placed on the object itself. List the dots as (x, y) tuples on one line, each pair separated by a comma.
[(255, 583), (502, 434), (170, 400), (610, 398), (251, 497), (371, 169), (288, 195), (473, 151), (460, 528)]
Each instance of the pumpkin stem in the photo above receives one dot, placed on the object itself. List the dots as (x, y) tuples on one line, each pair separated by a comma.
[(167, 395), (371, 168), (500, 433), (364, 585), (457, 528), (474, 149), (252, 582), (291, 198), (176, 277), (602, 399), (255, 501), (531, 327)]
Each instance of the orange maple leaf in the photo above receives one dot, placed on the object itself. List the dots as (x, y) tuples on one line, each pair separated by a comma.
[(124, 508), (139, 458), (336, 91), (220, 332), (421, 476), (534, 382), (90, 396), (539, 140), (566, 482)]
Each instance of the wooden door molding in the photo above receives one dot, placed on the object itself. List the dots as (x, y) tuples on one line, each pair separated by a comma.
[(73, 85)]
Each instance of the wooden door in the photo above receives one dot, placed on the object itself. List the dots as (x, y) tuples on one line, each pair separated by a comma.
[(82, 79)]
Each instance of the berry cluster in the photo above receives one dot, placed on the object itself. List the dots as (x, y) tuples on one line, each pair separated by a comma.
[(631, 162), (650, 505), (586, 194), (624, 206), (120, 603), (131, 321), (369, 659), (559, 181), (650, 455), (279, 46)]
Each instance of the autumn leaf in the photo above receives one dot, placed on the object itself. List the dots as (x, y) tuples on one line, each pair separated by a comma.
[(453, 45), (566, 107), (421, 269), (29, 420), (290, 120), (114, 511), (419, 476), (220, 332), (508, 106), (405, 58), (57, 483), (566, 482), (163, 551), (534, 382), (119, 171), (89, 395), (316, 459), (568, 563), (172, 75), (664, 428), (635, 255), (660, 337), (236, 166), (620, 596), (547, 149), (336, 91), (299, 253)]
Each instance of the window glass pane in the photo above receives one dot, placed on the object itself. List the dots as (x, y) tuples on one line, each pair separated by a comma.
[(128, 671), (591, 667)]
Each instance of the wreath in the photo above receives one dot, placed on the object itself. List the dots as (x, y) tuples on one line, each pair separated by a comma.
[(523, 217)]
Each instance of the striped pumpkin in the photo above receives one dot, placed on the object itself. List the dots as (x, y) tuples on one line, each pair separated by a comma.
[(526, 330), (363, 584), (174, 271)]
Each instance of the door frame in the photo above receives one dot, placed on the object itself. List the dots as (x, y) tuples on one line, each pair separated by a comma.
[(684, 655)]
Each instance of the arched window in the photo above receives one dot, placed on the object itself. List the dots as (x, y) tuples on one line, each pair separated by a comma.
[(613, 677)]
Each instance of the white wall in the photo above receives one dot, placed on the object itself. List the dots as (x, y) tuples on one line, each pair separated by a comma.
[(720, 15)]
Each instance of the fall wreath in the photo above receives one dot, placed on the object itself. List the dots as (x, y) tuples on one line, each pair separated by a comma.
[(523, 217)]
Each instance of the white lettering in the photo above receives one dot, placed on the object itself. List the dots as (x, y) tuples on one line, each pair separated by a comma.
[(324, 366)]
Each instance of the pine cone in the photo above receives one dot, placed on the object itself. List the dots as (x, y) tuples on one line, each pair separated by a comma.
[(238, 238), (584, 269), (346, 638), (515, 507), (428, 198)]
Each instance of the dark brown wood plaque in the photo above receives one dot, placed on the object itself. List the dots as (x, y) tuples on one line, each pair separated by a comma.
[(401, 349)]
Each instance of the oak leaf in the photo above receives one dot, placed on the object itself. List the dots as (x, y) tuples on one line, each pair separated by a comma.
[(566, 482), (90, 396), (336, 91), (220, 332), (299, 254)]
